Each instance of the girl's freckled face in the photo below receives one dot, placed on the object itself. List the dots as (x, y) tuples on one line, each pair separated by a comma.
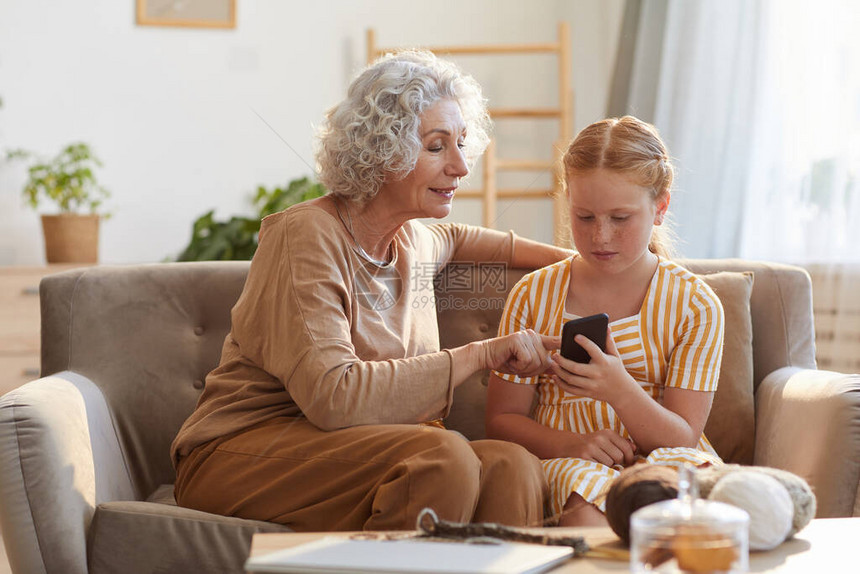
[(611, 218)]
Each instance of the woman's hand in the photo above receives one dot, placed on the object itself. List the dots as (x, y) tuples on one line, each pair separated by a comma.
[(604, 446), (524, 353), (603, 379)]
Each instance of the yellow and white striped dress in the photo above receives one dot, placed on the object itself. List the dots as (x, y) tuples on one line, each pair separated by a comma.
[(675, 340)]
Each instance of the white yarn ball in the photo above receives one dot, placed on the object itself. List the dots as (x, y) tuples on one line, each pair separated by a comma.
[(765, 499)]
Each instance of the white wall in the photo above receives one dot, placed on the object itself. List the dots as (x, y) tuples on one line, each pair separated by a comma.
[(175, 113)]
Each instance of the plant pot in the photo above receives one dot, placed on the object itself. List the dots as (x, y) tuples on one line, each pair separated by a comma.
[(71, 238)]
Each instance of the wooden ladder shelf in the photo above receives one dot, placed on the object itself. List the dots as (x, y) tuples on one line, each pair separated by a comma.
[(563, 114)]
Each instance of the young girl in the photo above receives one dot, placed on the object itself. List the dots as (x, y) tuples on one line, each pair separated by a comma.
[(650, 393)]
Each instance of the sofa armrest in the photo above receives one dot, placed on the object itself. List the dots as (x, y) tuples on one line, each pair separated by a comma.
[(808, 422), (59, 458)]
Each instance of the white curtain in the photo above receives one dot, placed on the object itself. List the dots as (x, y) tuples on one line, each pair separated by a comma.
[(804, 189), (759, 102)]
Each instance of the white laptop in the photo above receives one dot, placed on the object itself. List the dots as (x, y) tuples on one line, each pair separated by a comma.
[(338, 555)]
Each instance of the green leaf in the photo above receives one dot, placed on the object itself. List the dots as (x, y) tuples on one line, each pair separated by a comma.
[(236, 239), (68, 179)]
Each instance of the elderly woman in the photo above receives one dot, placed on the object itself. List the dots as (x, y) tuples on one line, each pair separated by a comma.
[(325, 411)]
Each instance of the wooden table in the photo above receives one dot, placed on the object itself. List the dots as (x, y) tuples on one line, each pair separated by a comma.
[(826, 545)]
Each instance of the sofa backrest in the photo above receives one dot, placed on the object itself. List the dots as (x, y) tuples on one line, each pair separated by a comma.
[(147, 335), (781, 309)]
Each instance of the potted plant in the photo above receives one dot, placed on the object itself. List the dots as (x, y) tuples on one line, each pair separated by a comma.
[(67, 180), (236, 239)]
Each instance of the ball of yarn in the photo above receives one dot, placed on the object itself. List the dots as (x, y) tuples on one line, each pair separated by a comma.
[(800, 492), (765, 499), (638, 486)]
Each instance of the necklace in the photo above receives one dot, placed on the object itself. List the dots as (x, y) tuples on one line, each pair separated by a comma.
[(348, 226)]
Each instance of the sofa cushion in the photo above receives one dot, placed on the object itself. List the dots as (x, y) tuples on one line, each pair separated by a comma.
[(144, 537), (731, 425), (471, 315), (781, 309), (163, 495)]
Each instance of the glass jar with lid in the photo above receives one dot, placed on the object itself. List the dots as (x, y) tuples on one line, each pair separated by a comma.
[(689, 535)]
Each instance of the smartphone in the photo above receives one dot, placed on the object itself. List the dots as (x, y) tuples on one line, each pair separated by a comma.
[(594, 327)]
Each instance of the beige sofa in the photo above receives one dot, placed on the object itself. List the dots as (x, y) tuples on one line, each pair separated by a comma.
[(85, 472)]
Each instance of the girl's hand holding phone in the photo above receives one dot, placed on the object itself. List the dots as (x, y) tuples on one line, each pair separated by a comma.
[(603, 379)]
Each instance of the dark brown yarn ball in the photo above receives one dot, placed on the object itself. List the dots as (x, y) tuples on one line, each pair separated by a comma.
[(638, 486)]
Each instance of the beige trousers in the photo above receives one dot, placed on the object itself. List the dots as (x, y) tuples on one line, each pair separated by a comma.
[(375, 477)]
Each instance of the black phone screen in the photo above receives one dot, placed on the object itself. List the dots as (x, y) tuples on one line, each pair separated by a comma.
[(594, 327)]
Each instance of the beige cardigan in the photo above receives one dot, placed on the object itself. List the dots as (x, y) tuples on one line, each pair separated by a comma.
[(320, 331)]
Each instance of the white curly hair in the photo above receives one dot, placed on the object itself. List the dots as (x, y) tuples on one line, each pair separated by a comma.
[(374, 132)]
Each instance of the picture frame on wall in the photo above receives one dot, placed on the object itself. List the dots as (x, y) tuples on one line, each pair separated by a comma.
[(187, 13)]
